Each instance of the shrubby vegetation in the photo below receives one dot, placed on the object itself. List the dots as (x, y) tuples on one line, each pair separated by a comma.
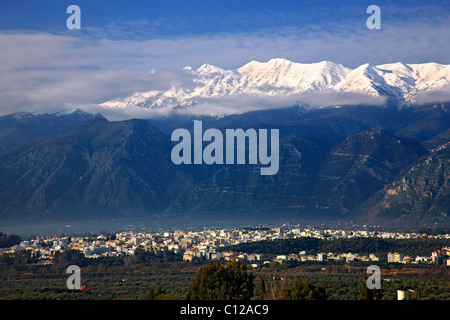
[(304, 290), (7, 241), (113, 280), (160, 294), (219, 282), (369, 294)]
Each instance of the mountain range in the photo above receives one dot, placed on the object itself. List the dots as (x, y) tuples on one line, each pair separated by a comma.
[(293, 84), (372, 164), (380, 156)]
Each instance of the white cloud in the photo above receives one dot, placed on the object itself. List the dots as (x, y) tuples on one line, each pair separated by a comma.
[(433, 96), (244, 102), (241, 103), (330, 98)]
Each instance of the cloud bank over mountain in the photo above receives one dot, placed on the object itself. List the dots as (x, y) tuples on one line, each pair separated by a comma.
[(43, 71), (280, 83)]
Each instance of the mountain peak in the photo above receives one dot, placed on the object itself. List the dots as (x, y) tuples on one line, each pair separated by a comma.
[(401, 65), (208, 69), (22, 115), (326, 63), (398, 68), (398, 82), (78, 113), (278, 61), (365, 66)]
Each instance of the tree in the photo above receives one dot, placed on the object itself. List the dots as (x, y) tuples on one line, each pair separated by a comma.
[(141, 255), (7, 241), (218, 282), (263, 287), (304, 290), (369, 294), (168, 255), (260, 288), (69, 257), (160, 294), (111, 237)]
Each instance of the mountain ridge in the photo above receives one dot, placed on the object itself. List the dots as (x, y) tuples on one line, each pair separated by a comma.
[(20, 127), (334, 165), (421, 192), (97, 167), (398, 82)]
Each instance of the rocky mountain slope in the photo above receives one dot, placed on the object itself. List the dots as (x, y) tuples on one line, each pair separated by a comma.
[(421, 193), (99, 168), (354, 162)]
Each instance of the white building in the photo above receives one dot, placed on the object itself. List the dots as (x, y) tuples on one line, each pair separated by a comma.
[(407, 294)]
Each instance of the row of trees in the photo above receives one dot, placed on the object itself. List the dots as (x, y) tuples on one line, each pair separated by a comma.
[(19, 258), (7, 241)]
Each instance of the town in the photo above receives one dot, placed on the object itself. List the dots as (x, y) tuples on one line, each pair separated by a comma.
[(206, 244)]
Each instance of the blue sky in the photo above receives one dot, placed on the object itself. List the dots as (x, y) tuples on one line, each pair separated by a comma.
[(168, 18), (43, 65), (140, 19)]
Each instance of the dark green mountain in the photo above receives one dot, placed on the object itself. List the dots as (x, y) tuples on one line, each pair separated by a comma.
[(18, 128), (241, 188), (335, 163), (422, 193), (425, 123), (313, 177), (98, 169), (360, 166)]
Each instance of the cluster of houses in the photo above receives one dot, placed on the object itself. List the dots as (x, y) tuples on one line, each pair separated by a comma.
[(257, 260), (442, 254), (205, 244)]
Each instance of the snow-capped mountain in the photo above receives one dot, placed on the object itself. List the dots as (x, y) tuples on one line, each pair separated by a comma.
[(280, 77)]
